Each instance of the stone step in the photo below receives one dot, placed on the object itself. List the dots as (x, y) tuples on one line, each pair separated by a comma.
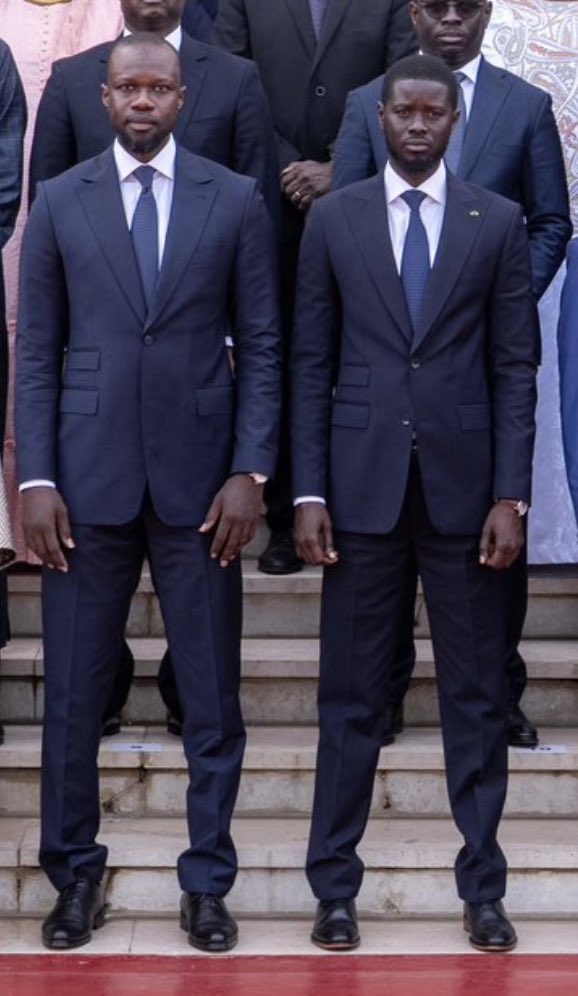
[(409, 867), (280, 682), (289, 606), (143, 773), (282, 937)]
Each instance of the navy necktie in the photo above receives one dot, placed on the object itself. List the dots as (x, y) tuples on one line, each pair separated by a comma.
[(415, 257), (145, 232), (317, 8), (454, 149)]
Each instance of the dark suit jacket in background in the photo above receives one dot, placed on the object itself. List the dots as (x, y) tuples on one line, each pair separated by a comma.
[(164, 377), (225, 116), (464, 381), (307, 83), (511, 147), (197, 22)]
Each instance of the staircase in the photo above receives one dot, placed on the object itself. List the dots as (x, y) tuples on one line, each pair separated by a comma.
[(410, 844)]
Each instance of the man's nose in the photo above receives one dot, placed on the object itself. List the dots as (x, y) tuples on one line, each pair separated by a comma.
[(142, 98), (418, 123)]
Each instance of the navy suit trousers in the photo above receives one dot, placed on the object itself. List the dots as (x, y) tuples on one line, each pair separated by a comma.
[(363, 608), (84, 614)]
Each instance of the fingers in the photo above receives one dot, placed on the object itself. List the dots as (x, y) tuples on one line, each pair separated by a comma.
[(212, 516)]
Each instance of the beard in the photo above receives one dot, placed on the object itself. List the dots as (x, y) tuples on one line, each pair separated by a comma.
[(143, 146), (414, 167)]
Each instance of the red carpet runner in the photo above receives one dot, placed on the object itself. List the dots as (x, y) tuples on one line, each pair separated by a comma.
[(484, 975)]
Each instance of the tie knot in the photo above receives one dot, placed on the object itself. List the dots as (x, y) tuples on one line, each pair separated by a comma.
[(144, 175), (413, 198)]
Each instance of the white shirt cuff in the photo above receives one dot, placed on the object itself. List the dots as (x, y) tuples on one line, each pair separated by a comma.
[(305, 498), (39, 483)]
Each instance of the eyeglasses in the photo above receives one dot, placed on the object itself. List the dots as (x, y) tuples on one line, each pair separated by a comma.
[(438, 9)]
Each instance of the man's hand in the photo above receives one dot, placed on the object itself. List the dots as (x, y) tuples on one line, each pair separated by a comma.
[(234, 514), (314, 534), (46, 526), (302, 182), (502, 537)]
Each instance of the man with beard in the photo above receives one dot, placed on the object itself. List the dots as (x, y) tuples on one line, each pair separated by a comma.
[(133, 441), (415, 353), (506, 141)]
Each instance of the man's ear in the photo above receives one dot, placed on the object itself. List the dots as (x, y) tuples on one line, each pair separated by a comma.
[(105, 94)]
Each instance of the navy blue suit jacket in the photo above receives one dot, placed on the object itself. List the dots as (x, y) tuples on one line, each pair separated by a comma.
[(112, 400), (225, 116), (568, 360), (464, 381), (511, 147), (197, 22)]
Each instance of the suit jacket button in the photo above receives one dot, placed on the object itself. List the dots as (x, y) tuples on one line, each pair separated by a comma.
[(320, 91), (148, 339), (406, 421), (415, 364)]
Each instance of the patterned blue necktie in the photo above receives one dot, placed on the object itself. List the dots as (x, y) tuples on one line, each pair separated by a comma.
[(455, 144), (145, 232), (318, 8), (415, 258)]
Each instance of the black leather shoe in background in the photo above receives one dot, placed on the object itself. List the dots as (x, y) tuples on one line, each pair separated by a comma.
[(78, 911), (393, 725), (521, 732), (280, 556), (174, 725), (207, 921), (111, 726), (488, 927), (335, 927)]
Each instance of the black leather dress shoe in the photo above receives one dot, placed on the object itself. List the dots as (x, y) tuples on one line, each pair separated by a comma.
[(335, 927), (521, 732), (280, 556), (489, 927), (393, 725), (110, 726), (207, 921), (174, 725), (78, 911)]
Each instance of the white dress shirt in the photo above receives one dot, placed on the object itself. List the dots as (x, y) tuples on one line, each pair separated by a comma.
[(432, 211), (175, 38)]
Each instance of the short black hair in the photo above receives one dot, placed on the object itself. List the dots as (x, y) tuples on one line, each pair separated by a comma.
[(420, 67), (142, 39)]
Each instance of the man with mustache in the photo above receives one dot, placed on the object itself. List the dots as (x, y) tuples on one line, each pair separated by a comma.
[(506, 140)]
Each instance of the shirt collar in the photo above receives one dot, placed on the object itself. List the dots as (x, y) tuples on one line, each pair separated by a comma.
[(163, 162), (471, 69), (434, 186), (175, 38)]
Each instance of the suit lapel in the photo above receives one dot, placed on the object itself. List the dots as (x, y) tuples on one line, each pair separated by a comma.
[(463, 218), (99, 193), (492, 87), (301, 16), (194, 192), (366, 212), (333, 18), (194, 65)]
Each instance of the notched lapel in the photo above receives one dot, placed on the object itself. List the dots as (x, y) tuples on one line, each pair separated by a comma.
[(194, 69), (194, 192), (492, 88), (367, 217), (463, 220), (99, 194), (301, 17), (333, 17)]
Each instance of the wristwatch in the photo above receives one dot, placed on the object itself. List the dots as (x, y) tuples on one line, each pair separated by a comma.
[(519, 507)]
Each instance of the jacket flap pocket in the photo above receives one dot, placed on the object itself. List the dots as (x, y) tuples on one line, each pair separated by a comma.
[(474, 417), (215, 401), (353, 375), (83, 359), (350, 416), (77, 402)]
